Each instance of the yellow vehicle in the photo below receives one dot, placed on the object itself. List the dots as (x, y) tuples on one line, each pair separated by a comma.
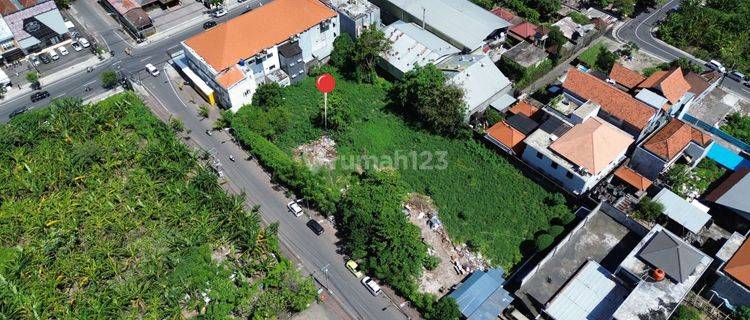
[(354, 268)]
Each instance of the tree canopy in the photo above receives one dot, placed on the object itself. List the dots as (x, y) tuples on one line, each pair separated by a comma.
[(268, 95)]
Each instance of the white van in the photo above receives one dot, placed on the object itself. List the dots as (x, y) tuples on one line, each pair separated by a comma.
[(371, 286), (716, 65), (53, 54), (152, 70)]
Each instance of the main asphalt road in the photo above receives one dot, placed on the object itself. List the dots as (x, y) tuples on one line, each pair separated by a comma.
[(317, 253), (639, 31)]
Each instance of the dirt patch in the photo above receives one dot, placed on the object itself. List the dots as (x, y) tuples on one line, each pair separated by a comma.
[(456, 261), (318, 153)]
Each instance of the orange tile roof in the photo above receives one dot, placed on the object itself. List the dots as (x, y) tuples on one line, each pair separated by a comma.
[(524, 30), (229, 77), (593, 144), (611, 99), (632, 178), (739, 265), (262, 28), (672, 84), (671, 139), (624, 76), (504, 14), (524, 108), (505, 134)]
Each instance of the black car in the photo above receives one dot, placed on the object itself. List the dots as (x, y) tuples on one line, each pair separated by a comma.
[(315, 227), (39, 96), (45, 58), (36, 86), (209, 24), (18, 112)]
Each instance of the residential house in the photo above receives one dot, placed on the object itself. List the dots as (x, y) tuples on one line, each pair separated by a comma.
[(35, 25), (579, 155), (573, 31), (509, 133), (355, 15), (412, 46), (234, 57), (593, 13), (615, 106), (482, 296), (639, 183), (732, 285), (527, 31), (507, 15), (526, 55), (671, 85), (700, 86), (626, 78), (132, 16), (733, 193), (675, 141), (481, 81), (461, 23)]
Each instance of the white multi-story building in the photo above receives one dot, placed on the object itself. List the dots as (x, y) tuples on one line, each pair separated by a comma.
[(271, 43)]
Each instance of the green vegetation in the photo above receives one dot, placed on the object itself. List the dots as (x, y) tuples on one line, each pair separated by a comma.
[(521, 76), (492, 116), (203, 111), (742, 313), (543, 241), (32, 77), (738, 126), (624, 7), (649, 210), (591, 54), (109, 79), (358, 60), (105, 215), (696, 181), (269, 95), (684, 312), (426, 97), (343, 49), (605, 60), (685, 64), (579, 18), (531, 10), (711, 30)]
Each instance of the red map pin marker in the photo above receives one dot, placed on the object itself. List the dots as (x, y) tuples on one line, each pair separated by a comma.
[(325, 83)]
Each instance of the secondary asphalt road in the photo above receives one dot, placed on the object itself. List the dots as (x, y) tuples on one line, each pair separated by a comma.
[(639, 31), (315, 252)]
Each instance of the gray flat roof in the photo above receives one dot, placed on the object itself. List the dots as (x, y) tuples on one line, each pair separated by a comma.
[(593, 293), (682, 211), (651, 98), (597, 238), (460, 20), (477, 75)]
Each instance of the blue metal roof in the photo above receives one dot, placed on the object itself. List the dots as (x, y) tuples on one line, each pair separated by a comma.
[(481, 297)]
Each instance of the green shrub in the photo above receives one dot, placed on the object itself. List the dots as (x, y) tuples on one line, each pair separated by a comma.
[(649, 210), (555, 231), (543, 241), (684, 312)]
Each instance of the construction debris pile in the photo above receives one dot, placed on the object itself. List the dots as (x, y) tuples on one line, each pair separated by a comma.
[(456, 261), (318, 153)]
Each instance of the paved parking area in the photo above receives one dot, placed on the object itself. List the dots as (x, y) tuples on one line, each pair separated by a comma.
[(17, 74)]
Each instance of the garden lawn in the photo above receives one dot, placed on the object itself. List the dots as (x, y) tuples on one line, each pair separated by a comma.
[(482, 198), (589, 56)]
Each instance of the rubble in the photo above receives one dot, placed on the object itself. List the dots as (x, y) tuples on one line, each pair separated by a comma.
[(318, 153)]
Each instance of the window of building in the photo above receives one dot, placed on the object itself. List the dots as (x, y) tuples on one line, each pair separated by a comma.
[(273, 66), (554, 165), (539, 155), (569, 175)]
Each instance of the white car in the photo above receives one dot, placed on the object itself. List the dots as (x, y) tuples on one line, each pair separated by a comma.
[(294, 208), (716, 65), (53, 54), (76, 46), (371, 286), (220, 12), (85, 43), (152, 70), (63, 51)]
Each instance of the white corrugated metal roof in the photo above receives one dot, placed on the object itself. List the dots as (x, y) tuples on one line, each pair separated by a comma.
[(477, 75), (651, 98), (5, 32), (682, 211), (590, 294), (460, 20), (412, 45)]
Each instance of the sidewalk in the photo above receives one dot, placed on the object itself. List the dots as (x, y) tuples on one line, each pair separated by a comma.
[(93, 61)]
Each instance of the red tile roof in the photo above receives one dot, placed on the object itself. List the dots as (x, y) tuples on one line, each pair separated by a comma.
[(612, 100), (503, 133), (697, 83), (504, 14), (625, 77), (247, 35), (593, 144), (230, 77), (10, 6), (739, 266), (671, 84), (525, 30), (524, 108), (671, 139), (632, 178)]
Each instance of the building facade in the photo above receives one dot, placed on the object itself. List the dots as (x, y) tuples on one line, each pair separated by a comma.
[(34, 25)]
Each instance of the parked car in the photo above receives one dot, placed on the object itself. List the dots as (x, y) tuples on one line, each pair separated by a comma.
[(53, 54), (152, 70), (736, 75), (76, 46), (746, 84), (371, 286), (354, 268), (39, 95), (18, 112), (294, 208), (45, 58), (34, 59), (63, 50), (716, 65), (36, 86), (220, 12), (315, 227), (85, 43), (209, 24)]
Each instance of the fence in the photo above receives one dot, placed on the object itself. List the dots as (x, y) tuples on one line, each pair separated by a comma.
[(705, 126)]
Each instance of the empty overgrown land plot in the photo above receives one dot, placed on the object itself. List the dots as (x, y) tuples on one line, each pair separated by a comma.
[(482, 198)]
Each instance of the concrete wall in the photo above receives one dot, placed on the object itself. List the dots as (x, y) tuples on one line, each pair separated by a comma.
[(241, 93), (354, 26), (318, 43)]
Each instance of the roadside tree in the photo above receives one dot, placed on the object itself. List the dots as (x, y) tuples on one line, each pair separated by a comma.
[(109, 79)]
